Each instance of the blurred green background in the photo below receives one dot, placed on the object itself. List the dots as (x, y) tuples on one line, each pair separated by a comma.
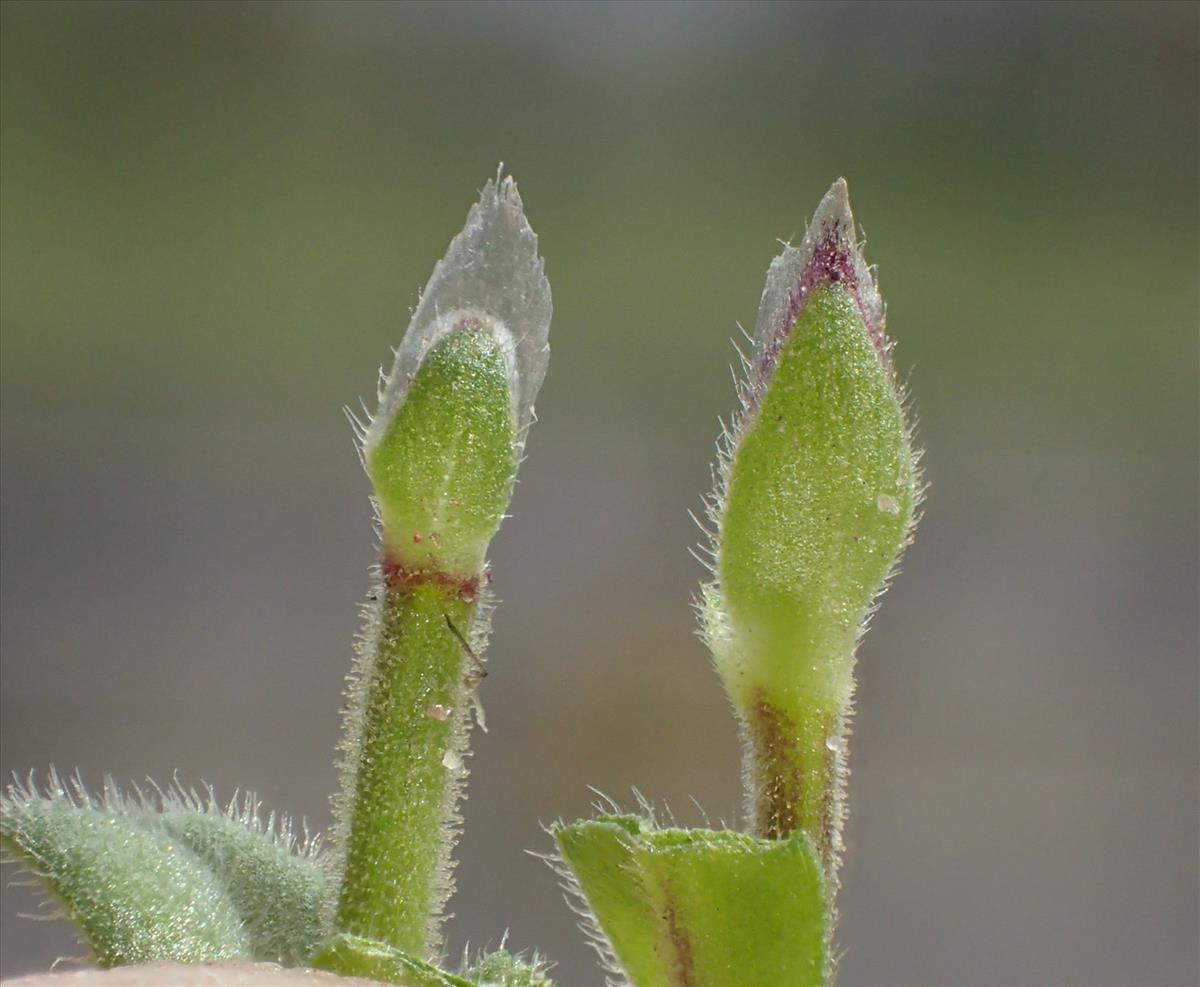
[(215, 221)]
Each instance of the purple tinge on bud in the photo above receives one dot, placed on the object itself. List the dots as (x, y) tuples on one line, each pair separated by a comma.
[(828, 254)]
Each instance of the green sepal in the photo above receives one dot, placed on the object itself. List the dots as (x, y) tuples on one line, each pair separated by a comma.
[(444, 465), (279, 889), (818, 505), (681, 908), (354, 956), (137, 894)]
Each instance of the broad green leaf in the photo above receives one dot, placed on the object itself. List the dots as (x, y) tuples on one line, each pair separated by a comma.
[(624, 925), (137, 894), (698, 908)]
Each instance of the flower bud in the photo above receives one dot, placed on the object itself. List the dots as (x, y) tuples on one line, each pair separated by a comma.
[(817, 496), (442, 449)]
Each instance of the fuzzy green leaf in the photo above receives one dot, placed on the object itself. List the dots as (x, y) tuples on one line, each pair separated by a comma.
[(698, 908), (279, 889), (137, 894)]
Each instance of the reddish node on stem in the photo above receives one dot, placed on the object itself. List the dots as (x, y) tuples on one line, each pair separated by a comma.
[(397, 575)]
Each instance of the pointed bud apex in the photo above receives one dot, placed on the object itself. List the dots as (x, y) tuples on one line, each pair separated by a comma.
[(819, 489), (828, 254), (443, 448)]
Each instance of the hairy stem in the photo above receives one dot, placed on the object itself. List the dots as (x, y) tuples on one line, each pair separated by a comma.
[(410, 762), (794, 768)]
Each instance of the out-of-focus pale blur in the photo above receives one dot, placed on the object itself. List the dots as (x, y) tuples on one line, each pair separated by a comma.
[(215, 221)]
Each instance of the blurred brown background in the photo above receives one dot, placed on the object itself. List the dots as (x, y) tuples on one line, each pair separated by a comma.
[(215, 220)]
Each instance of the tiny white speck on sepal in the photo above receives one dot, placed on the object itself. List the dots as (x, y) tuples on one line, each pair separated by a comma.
[(491, 274)]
